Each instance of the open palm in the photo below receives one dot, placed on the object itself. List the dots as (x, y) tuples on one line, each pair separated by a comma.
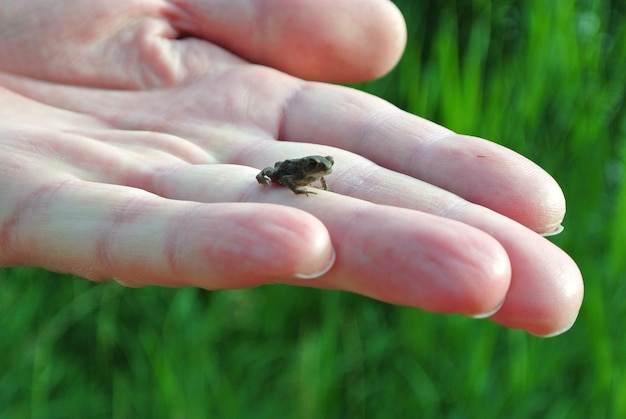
[(131, 135)]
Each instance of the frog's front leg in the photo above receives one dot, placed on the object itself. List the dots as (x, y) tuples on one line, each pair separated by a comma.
[(288, 181), (323, 182)]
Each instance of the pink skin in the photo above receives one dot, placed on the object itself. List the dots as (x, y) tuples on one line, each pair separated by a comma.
[(128, 152)]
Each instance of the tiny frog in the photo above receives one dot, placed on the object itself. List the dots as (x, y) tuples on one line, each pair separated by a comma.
[(298, 172)]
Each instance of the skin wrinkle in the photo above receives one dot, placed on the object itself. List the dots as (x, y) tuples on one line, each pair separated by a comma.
[(15, 239), (86, 157), (64, 120), (176, 12), (371, 123), (452, 209), (394, 155), (416, 157), (174, 237), (260, 115), (173, 148), (75, 152), (122, 218), (376, 188), (358, 177), (154, 46), (281, 125), (349, 107)]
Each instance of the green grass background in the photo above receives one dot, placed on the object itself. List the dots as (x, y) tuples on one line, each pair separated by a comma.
[(545, 78)]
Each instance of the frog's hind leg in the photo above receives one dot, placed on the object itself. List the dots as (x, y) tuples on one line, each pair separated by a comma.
[(263, 179)]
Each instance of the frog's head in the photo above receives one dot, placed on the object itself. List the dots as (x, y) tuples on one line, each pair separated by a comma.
[(318, 165)]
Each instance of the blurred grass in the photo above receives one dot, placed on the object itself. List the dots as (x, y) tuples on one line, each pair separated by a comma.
[(545, 78)]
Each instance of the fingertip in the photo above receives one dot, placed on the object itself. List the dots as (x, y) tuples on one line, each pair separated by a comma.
[(395, 43), (310, 252), (324, 270), (342, 45), (537, 201), (296, 244), (545, 307), (561, 315), (241, 245), (545, 209), (476, 271), (483, 289), (383, 40)]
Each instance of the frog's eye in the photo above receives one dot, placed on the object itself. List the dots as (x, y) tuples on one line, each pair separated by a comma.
[(312, 163)]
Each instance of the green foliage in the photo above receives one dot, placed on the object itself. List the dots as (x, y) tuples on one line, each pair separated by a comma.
[(546, 78)]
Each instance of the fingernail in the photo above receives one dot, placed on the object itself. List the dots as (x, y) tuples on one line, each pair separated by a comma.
[(128, 284), (489, 313), (558, 230), (327, 268), (553, 334)]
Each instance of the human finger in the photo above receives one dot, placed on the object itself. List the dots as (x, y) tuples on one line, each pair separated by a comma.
[(101, 231), (480, 171)]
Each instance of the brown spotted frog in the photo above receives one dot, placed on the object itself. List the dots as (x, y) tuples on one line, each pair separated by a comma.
[(298, 172)]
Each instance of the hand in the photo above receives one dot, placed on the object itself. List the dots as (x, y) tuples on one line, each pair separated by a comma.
[(132, 135)]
